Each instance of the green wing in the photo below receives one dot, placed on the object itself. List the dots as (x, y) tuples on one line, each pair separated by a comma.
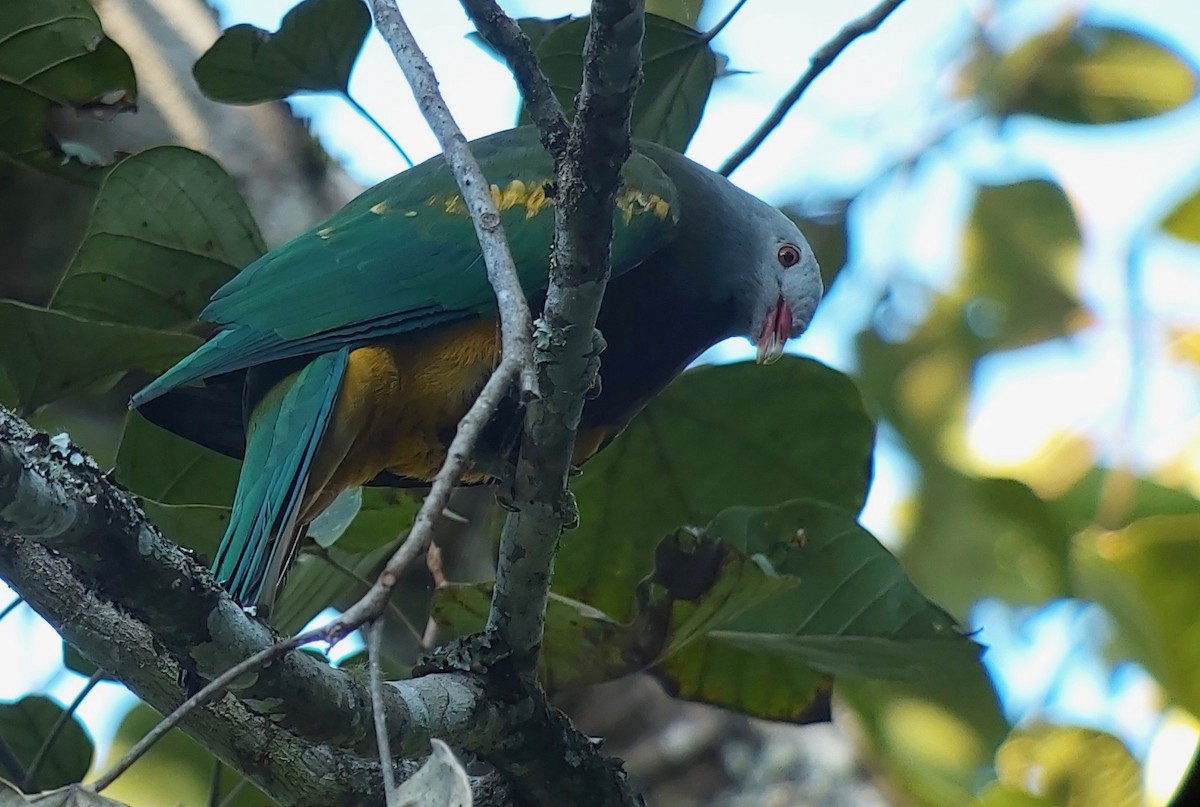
[(403, 256)]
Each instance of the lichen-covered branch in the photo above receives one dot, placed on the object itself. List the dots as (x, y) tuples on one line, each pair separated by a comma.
[(81, 553), (566, 350)]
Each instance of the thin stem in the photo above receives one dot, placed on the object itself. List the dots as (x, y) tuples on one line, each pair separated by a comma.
[(323, 553), (819, 62), (374, 636), (516, 323), (233, 793), (56, 729), (12, 606), (10, 763), (362, 110), (214, 784), (212, 690), (713, 32)]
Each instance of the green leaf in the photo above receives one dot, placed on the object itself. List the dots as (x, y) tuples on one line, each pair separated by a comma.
[(25, 725), (197, 527), (169, 227), (937, 739), (385, 514), (534, 28), (684, 11), (678, 71), (1144, 575), (54, 53), (69, 796), (1083, 73), (854, 613), (998, 795), (1020, 256), (1184, 221), (719, 436), (1071, 767), (51, 354), (754, 613), (169, 470), (314, 50), (176, 770), (76, 662), (581, 645)]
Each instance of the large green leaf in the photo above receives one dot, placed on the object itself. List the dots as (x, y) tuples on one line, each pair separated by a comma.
[(314, 50), (1071, 767), (25, 725), (719, 436), (169, 227), (1144, 575), (48, 355), (1084, 73), (854, 613), (1184, 220), (678, 71), (697, 583), (54, 53), (176, 770), (1020, 256), (757, 612), (70, 796), (160, 466)]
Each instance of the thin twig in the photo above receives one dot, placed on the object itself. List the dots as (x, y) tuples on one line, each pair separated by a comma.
[(516, 324), (233, 793), (56, 729), (361, 110), (209, 692), (323, 553), (214, 784), (371, 604), (12, 606), (713, 32), (374, 636), (506, 37), (818, 63)]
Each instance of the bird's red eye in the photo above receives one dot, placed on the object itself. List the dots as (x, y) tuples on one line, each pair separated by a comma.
[(788, 255)]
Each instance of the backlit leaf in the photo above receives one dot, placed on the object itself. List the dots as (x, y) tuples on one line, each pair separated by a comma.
[(24, 726), (314, 50)]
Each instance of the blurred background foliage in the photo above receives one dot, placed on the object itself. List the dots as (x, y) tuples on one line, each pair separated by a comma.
[(1031, 367)]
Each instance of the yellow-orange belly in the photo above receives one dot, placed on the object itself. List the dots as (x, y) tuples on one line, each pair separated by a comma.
[(399, 406)]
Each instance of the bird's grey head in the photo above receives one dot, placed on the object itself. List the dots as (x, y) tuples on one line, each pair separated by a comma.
[(783, 279)]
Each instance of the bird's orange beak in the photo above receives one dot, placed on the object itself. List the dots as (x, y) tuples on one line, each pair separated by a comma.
[(776, 330)]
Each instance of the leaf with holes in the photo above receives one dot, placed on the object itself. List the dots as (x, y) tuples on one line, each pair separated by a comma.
[(720, 436), (54, 53), (25, 725), (314, 50), (678, 69), (169, 227)]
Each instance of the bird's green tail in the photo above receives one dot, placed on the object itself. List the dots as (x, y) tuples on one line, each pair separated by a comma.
[(281, 441)]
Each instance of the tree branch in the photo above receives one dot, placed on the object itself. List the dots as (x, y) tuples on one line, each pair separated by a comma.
[(565, 348), (82, 554), (506, 37), (817, 65), (515, 321)]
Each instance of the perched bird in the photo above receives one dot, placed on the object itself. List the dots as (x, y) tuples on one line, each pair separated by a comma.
[(348, 355)]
